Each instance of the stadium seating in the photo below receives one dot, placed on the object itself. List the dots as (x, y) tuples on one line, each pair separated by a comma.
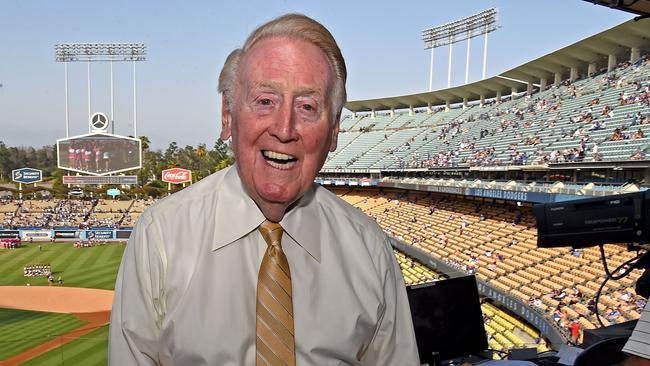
[(71, 213), (498, 244), (558, 125)]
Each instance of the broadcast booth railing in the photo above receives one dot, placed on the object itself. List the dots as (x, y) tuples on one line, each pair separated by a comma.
[(546, 327)]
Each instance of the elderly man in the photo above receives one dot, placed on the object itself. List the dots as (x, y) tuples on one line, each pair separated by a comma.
[(256, 264)]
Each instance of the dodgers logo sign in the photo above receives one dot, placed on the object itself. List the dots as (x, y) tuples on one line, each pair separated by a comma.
[(26, 175)]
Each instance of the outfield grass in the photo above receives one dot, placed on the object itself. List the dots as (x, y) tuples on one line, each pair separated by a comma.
[(94, 267), (88, 350), (21, 330)]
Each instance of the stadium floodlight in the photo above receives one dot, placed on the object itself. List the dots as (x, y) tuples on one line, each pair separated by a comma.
[(89, 52), (100, 52), (457, 31)]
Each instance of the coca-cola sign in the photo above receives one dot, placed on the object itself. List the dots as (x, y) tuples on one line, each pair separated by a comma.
[(176, 175)]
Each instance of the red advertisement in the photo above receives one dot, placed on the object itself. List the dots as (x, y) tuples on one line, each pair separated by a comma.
[(176, 175)]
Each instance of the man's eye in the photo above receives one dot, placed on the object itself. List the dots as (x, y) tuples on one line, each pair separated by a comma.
[(265, 101), (307, 107)]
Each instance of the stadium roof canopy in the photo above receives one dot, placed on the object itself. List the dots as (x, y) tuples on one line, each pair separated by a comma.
[(583, 57)]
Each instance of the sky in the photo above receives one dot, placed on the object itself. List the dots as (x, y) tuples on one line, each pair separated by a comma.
[(188, 41)]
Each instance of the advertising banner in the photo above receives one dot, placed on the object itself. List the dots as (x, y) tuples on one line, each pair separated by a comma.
[(35, 235), (9, 234), (67, 234), (176, 175), (114, 179), (26, 175), (99, 234), (122, 234)]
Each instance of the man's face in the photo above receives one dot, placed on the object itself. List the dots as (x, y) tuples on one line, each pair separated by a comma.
[(281, 121)]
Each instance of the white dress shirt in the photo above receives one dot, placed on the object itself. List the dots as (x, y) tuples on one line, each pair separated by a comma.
[(186, 289)]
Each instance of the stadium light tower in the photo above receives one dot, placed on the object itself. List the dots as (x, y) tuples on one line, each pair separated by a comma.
[(100, 52), (457, 31)]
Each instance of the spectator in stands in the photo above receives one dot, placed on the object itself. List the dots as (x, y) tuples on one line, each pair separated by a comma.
[(574, 331), (597, 125), (638, 154), (638, 134), (195, 257), (617, 135), (595, 153), (636, 119)]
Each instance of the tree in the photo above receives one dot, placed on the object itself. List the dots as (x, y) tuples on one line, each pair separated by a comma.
[(171, 155), (144, 140)]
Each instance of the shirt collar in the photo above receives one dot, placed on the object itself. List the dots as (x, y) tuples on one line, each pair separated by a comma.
[(303, 223), (237, 215)]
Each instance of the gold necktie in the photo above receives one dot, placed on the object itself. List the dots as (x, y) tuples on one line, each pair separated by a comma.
[(274, 343)]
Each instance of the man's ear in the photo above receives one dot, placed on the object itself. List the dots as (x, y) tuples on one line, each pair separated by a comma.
[(226, 119), (335, 133)]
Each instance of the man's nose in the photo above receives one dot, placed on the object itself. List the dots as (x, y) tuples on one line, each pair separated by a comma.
[(284, 127)]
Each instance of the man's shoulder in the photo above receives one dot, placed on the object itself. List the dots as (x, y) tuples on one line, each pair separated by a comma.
[(184, 200)]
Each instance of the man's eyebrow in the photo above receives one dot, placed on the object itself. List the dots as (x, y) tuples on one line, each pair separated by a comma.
[(267, 84), (305, 90), (308, 91)]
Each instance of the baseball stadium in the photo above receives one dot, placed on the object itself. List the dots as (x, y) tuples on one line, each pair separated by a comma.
[(463, 180)]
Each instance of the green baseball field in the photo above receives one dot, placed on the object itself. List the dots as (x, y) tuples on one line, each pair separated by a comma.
[(26, 336)]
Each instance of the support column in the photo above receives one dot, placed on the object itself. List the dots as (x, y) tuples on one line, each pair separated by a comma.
[(635, 53), (611, 62), (542, 84), (482, 99), (529, 88), (513, 93), (591, 69), (574, 74), (469, 42), (447, 106), (411, 111), (429, 110), (485, 54), (392, 112), (431, 71), (449, 67), (372, 114), (465, 103), (499, 96), (67, 113), (558, 79), (135, 105), (89, 104), (354, 115)]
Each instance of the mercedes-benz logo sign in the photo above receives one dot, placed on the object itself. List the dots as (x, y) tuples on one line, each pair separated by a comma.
[(99, 121)]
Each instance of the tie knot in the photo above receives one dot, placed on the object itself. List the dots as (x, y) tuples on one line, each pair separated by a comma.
[(272, 233)]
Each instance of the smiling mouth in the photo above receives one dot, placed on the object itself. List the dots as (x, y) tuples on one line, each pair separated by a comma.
[(279, 160)]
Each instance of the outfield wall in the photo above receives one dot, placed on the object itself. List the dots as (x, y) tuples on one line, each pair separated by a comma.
[(35, 234)]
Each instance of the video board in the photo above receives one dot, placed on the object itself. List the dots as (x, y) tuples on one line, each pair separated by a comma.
[(99, 154)]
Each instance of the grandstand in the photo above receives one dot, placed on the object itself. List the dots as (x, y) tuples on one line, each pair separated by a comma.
[(595, 113), (497, 242), (456, 172), (70, 213), (562, 124)]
